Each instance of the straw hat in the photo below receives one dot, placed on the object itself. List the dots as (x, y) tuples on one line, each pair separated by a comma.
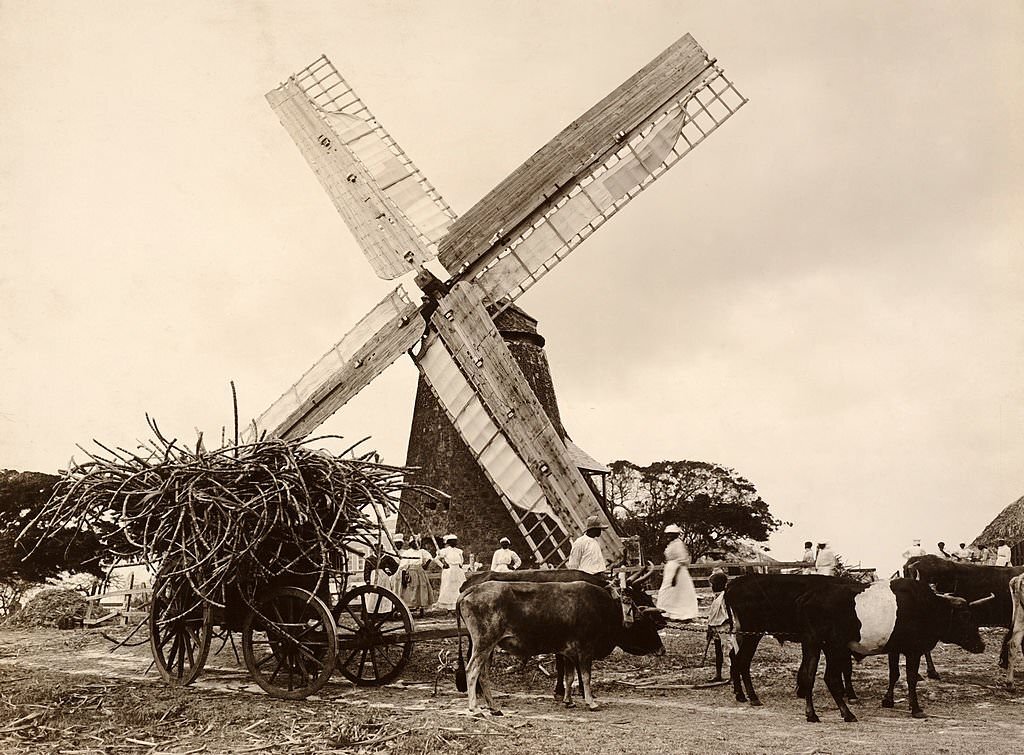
[(594, 523), (673, 529)]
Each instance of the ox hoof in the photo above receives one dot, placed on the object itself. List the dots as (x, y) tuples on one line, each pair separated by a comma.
[(887, 702), (593, 706), (570, 704), (934, 675), (850, 719), (918, 714), (741, 698), (495, 712), (755, 702), (813, 719)]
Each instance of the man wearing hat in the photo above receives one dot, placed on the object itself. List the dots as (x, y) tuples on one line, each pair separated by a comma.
[(452, 575), (914, 550), (825, 561), (505, 559), (586, 552), (677, 596)]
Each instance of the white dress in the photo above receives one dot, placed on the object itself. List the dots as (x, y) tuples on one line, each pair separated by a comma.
[(677, 596), (452, 575), (505, 559)]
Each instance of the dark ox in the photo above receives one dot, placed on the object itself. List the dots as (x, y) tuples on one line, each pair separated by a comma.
[(987, 588), (578, 620), (761, 604), (633, 590), (901, 617)]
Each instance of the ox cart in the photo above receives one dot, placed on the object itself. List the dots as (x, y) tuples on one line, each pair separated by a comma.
[(293, 634)]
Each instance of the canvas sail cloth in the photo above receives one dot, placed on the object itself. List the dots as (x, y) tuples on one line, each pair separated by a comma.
[(677, 596)]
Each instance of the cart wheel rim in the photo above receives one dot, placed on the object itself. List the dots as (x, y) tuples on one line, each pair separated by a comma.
[(289, 643), (180, 630), (374, 635)]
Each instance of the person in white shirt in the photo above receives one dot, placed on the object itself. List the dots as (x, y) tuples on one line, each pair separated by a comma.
[(451, 559), (808, 558), (586, 552), (1003, 554), (677, 596), (505, 559), (914, 550), (825, 562)]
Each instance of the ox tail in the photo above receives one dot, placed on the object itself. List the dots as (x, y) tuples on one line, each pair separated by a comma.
[(460, 671)]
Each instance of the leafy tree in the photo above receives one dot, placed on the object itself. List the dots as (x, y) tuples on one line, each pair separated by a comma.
[(22, 561), (713, 505)]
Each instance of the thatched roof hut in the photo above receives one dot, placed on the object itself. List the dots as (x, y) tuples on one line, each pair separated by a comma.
[(1008, 526)]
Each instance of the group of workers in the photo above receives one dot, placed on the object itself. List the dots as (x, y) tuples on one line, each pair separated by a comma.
[(819, 561), (998, 555), (407, 574)]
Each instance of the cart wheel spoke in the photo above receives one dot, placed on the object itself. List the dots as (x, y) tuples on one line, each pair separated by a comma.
[(300, 636)]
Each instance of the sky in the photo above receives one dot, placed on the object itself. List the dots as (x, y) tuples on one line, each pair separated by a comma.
[(827, 295)]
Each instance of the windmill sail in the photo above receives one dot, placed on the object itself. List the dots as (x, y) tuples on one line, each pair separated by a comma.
[(572, 185), (483, 390), (387, 331), (394, 212)]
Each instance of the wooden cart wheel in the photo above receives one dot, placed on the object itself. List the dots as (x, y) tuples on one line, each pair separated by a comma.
[(374, 635), (289, 643), (180, 629)]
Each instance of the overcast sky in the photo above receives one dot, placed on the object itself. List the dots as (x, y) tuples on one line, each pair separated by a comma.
[(827, 295)]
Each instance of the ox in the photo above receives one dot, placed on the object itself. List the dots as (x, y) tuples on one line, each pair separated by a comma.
[(985, 587), (577, 620), (633, 591), (760, 604), (901, 617), (1016, 638)]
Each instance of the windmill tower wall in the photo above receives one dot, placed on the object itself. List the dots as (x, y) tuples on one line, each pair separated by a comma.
[(475, 512)]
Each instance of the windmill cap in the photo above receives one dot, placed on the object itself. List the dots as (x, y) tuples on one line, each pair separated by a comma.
[(594, 523), (674, 528)]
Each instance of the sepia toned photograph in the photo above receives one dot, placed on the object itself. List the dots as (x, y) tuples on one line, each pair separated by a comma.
[(341, 412)]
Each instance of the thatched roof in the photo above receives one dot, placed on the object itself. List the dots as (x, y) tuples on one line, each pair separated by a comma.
[(24, 490), (1008, 526)]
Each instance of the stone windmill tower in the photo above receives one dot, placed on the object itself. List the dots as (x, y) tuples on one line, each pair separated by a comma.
[(480, 358), (443, 460)]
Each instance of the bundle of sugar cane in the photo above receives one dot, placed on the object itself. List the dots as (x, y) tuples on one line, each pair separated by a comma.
[(239, 516)]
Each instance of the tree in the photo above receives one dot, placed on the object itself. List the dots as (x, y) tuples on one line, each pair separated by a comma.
[(31, 559), (713, 505)]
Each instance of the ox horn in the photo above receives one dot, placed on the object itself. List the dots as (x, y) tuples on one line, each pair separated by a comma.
[(979, 601), (652, 609), (642, 574), (948, 595)]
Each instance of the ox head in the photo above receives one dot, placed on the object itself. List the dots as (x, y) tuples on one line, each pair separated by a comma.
[(640, 619), (956, 626)]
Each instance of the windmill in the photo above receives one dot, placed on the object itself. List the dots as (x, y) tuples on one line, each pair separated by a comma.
[(493, 253)]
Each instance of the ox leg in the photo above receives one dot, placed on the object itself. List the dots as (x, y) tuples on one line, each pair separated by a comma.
[(894, 676), (739, 669), (808, 671), (588, 695), (801, 673), (485, 685), (836, 662), (559, 682), (473, 675), (1004, 651), (913, 664), (851, 695), (932, 673), (568, 677)]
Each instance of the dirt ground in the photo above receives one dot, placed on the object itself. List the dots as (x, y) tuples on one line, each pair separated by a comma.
[(66, 692)]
